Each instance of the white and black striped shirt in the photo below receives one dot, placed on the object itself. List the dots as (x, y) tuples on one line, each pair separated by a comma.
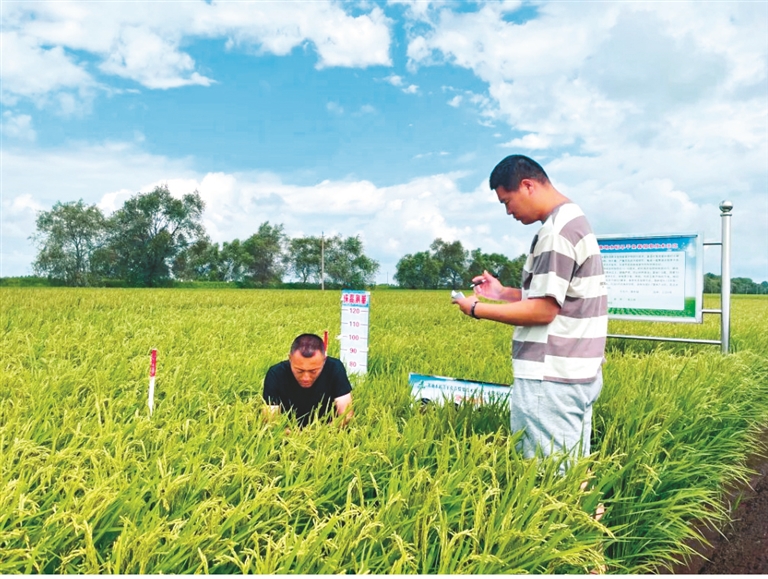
[(565, 264)]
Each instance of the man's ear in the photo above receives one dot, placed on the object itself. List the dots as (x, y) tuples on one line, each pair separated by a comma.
[(528, 185)]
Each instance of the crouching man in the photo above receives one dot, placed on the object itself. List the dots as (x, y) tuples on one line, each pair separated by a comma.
[(308, 382)]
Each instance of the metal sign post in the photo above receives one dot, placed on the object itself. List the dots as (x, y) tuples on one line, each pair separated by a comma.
[(725, 290), (725, 275)]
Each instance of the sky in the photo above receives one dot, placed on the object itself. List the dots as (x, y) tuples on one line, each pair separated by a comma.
[(385, 119)]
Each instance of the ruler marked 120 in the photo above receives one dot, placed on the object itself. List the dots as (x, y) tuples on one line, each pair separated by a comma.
[(355, 306)]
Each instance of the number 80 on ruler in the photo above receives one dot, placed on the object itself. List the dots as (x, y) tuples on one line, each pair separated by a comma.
[(355, 306)]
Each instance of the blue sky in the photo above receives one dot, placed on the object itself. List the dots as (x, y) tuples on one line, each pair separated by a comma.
[(384, 119)]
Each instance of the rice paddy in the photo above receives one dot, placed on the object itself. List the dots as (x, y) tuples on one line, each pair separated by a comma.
[(90, 483)]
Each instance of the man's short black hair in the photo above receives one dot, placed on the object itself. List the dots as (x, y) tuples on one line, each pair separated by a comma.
[(513, 169), (308, 345)]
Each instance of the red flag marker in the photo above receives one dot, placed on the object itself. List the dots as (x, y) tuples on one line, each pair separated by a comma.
[(152, 370)]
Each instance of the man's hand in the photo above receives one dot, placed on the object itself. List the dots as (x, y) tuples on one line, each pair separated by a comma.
[(269, 412), (344, 408), (465, 304), (488, 286)]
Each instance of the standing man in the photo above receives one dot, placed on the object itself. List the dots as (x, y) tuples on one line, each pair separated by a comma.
[(560, 314), (308, 382)]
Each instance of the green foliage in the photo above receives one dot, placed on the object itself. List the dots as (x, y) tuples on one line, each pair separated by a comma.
[(346, 266), (739, 285), (265, 255), (147, 234), (27, 281), (90, 484), (304, 258), (67, 237), (418, 271), (452, 259), (449, 265), (199, 261)]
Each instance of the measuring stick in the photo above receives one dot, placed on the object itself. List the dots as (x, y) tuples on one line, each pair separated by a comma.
[(152, 369), (355, 306)]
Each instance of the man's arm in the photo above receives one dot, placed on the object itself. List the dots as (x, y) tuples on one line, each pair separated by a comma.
[(344, 407), (270, 395), (528, 312)]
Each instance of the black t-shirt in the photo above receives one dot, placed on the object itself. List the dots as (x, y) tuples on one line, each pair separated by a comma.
[(281, 388)]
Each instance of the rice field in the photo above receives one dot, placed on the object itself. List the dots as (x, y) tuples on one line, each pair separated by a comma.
[(90, 483)]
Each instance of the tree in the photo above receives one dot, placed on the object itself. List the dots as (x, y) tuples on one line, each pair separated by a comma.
[(149, 231), (418, 271), (234, 260), (739, 285), (68, 236), (200, 260), (346, 265), (509, 272), (304, 258), (452, 258), (266, 255), (711, 283)]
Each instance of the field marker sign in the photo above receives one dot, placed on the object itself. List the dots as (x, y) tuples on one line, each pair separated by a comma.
[(443, 388), (653, 277), (645, 284), (355, 308)]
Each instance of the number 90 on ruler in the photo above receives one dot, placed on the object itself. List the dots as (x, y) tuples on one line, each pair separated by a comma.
[(355, 307)]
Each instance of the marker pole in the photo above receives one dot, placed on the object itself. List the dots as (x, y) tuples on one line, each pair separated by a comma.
[(325, 341), (152, 370)]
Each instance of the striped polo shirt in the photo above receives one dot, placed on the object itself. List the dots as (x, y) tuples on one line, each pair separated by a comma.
[(564, 263)]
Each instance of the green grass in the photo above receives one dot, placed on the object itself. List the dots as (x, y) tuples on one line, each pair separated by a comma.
[(90, 484)]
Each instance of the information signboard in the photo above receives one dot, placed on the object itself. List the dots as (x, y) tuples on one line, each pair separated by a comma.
[(442, 388), (355, 307), (653, 277)]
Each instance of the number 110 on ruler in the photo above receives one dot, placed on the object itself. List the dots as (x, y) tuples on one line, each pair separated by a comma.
[(355, 306)]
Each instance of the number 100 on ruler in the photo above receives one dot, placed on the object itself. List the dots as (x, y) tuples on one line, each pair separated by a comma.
[(355, 306)]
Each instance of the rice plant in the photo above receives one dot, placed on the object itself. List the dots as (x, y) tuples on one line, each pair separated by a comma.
[(90, 483)]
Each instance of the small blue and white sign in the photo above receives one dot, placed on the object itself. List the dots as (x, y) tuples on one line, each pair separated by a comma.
[(443, 388)]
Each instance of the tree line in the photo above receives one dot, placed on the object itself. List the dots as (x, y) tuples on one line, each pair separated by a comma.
[(449, 265), (155, 239), (739, 285)]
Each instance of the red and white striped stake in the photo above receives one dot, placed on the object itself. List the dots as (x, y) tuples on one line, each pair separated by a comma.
[(152, 369)]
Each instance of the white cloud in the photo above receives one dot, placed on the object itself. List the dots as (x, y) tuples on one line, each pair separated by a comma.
[(144, 56), (54, 70), (18, 127), (335, 108), (398, 81), (393, 220), (394, 80), (530, 141), (455, 101), (649, 114), (622, 70), (144, 42)]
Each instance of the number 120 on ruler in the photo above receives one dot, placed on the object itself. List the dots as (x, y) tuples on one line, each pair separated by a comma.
[(355, 306)]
